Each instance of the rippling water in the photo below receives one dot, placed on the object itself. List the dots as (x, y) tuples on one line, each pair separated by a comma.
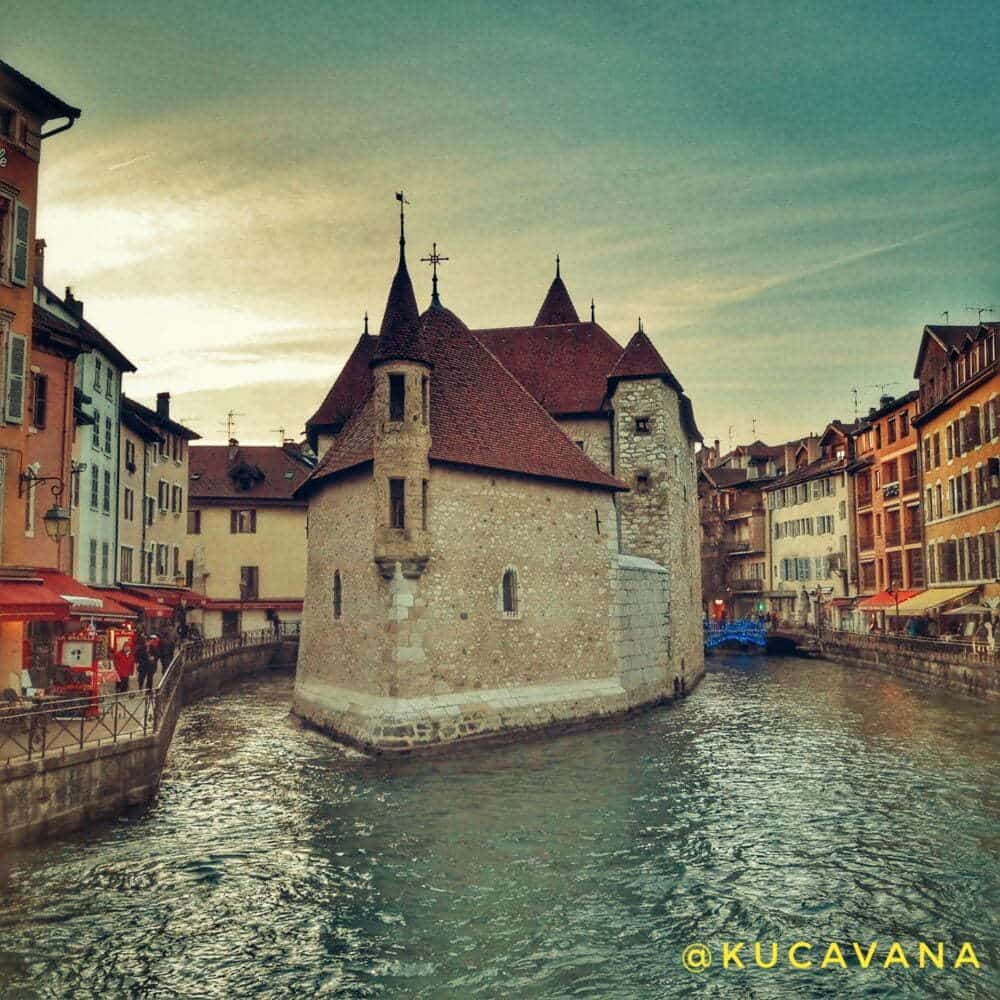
[(784, 800)]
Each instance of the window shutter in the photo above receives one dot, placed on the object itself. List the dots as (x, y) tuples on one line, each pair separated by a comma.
[(19, 271), (253, 521), (232, 522), (17, 362)]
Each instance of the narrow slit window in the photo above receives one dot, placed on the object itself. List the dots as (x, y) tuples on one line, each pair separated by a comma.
[(509, 593), (425, 399), (397, 397), (424, 492), (397, 503), (338, 595)]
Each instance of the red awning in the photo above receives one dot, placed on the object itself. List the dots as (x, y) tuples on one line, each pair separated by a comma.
[(143, 605), (887, 599), (30, 600), (84, 601), (171, 597)]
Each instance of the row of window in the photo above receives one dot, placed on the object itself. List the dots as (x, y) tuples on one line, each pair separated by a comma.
[(956, 372), (95, 433), (789, 496), (107, 383), (883, 573), (964, 560), (897, 428), (967, 491), (815, 568), (822, 525)]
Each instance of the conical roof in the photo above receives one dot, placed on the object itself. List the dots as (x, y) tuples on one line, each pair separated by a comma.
[(399, 336), (641, 359), (558, 306)]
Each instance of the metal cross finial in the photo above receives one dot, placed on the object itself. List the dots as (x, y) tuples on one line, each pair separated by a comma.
[(434, 258), (366, 322), (557, 265), (640, 324), (591, 310)]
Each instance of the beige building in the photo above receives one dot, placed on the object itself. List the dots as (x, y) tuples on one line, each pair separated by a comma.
[(152, 506), (245, 547), (502, 530)]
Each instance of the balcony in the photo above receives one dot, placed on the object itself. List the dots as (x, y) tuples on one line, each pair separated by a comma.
[(748, 586), (911, 485), (893, 538), (742, 548), (864, 500), (890, 491), (866, 543)]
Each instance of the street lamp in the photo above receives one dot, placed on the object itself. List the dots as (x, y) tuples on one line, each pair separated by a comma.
[(894, 590), (57, 518), (57, 521)]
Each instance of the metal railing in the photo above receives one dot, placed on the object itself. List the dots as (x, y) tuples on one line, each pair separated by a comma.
[(980, 650), (60, 726)]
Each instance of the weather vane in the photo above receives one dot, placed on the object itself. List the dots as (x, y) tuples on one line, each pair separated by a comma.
[(434, 258)]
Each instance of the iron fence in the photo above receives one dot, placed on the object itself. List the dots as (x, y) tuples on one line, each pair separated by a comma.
[(979, 650), (59, 726)]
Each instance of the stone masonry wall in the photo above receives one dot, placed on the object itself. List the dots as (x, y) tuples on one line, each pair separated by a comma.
[(595, 433), (416, 662), (662, 524)]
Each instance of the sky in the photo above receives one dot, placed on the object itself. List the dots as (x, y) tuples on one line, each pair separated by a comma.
[(784, 192)]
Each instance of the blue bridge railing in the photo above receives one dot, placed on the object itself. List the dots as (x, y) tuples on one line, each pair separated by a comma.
[(742, 631)]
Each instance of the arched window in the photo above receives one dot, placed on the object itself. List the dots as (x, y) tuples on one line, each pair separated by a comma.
[(508, 593), (338, 595)]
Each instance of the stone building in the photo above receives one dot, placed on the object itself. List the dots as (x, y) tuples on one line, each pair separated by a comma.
[(502, 529)]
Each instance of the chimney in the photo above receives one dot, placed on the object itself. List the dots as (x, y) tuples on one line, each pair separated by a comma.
[(234, 446), (73, 305), (884, 401), (163, 405), (39, 263), (871, 413)]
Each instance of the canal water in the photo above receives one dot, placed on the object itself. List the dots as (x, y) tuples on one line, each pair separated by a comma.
[(785, 800)]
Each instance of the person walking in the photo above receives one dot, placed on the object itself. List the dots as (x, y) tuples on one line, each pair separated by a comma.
[(145, 662)]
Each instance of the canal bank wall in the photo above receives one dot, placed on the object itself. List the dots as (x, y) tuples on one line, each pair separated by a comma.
[(63, 791), (930, 664)]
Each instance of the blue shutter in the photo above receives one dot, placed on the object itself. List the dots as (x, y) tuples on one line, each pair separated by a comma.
[(22, 227), (17, 363)]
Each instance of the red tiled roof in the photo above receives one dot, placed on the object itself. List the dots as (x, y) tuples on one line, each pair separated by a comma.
[(399, 337), (282, 468), (640, 359), (557, 308), (351, 388), (565, 367), (480, 415)]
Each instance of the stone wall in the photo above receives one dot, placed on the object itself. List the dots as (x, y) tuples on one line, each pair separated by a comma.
[(959, 672), (429, 660), (662, 524), (595, 433)]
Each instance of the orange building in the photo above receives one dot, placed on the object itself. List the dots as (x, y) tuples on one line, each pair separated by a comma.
[(35, 382), (887, 498), (959, 428)]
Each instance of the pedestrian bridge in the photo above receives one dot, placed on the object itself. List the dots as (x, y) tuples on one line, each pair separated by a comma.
[(741, 632)]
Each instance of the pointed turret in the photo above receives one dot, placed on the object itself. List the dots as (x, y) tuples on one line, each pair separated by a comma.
[(558, 306), (641, 359), (399, 335)]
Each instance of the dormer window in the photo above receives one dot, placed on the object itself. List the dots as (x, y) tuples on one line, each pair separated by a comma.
[(397, 397)]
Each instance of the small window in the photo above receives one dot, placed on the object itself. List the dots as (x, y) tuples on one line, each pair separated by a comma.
[(249, 583), (508, 593), (424, 492), (642, 425), (397, 397), (580, 445), (39, 400), (338, 595), (642, 482), (397, 503), (194, 522), (189, 573), (242, 522)]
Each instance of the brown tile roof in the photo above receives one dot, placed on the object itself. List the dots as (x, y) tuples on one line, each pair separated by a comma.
[(641, 359), (557, 308), (820, 467), (565, 367), (155, 422), (399, 337), (480, 416), (274, 472), (349, 391)]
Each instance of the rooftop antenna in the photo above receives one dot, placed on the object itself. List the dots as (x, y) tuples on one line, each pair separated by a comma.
[(979, 310), (731, 429), (753, 426), (280, 431), (945, 314), (231, 423)]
